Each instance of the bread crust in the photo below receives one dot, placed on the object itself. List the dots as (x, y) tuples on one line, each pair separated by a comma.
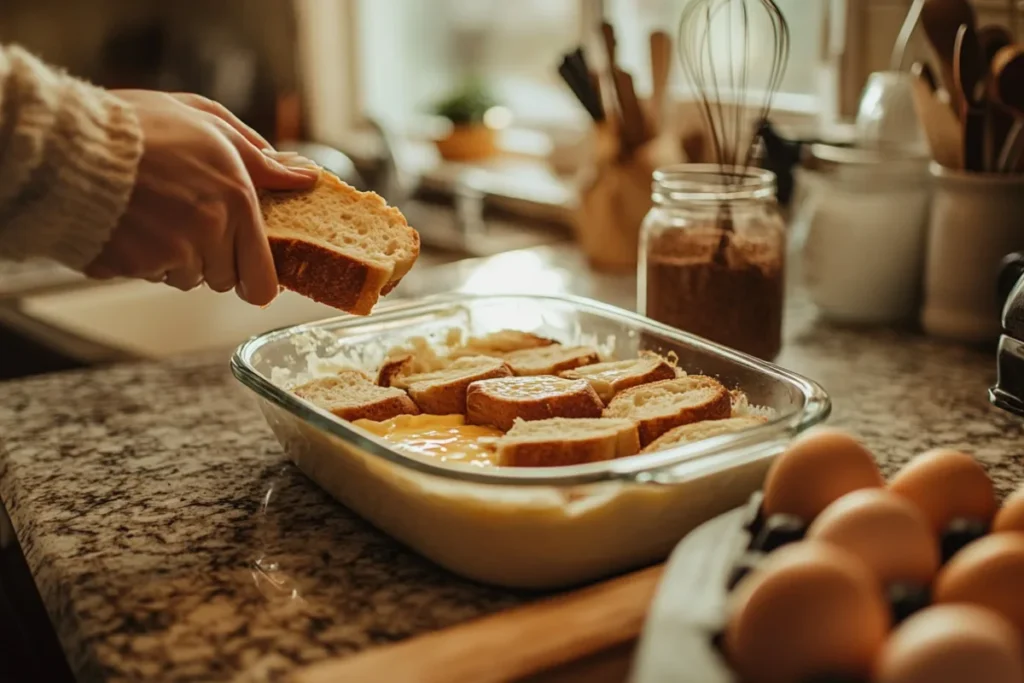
[(448, 396), (698, 431), (383, 403), (327, 276), (607, 390), (558, 452), (718, 406), (311, 268), (490, 403), (550, 359)]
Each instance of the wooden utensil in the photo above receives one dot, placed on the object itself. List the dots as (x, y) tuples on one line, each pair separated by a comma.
[(993, 38), (940, 125), (512, 645), (1007, 89), (633, 129), (969, 74), (942, 20), (661, 63)]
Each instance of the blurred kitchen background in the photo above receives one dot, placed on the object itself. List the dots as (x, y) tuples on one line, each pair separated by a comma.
[(357, 84)]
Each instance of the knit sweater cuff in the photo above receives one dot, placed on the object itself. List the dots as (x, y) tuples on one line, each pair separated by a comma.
[(67, 165)]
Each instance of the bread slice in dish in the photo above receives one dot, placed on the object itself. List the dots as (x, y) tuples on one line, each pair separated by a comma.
[(337, 245), (500, 402), (567, 441), (443, 392), (351, 395), (610, 378), (702, 430), (501, 343), (550, 360), (661, 406)]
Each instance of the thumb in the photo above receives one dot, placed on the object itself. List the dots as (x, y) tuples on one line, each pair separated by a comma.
[(272, 170)]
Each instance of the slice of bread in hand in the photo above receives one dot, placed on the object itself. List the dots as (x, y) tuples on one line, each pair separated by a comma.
[(499, 402), (501, 343), (661, 406), (567, 441), (610, 378), (550, 360), (351, 395), (702, 430), (337, 245), (443, 392)]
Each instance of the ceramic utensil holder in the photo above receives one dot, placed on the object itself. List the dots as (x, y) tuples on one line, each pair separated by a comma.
[(613, 205), (976, 220)]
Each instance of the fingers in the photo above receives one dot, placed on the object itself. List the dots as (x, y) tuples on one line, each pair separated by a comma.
[(271, 170), (184, 279), (254, 263), (224, 114)]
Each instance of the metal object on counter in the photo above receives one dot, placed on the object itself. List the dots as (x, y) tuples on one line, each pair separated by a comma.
[(861, 221), (899, 51), (1008, 392)]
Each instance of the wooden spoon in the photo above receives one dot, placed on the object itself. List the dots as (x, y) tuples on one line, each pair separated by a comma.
[(511, 645), (1007, 89), (970, 72), (942, 20), (994, 38), (661, 62), (940, 125)]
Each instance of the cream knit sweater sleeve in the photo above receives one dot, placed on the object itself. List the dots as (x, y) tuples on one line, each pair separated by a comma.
[(68, 156)]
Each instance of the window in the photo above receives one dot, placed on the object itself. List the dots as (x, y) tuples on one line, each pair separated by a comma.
[(412, 52), (635, 19)]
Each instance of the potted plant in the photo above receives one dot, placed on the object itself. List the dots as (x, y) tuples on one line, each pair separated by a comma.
[(470, 138)]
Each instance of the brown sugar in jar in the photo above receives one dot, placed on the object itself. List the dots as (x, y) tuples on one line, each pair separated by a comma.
[(712, 257)]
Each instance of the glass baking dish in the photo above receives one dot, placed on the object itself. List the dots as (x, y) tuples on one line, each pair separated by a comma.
[(537, 528)]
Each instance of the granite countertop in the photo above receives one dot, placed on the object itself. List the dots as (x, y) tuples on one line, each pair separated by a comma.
[(171, 540)]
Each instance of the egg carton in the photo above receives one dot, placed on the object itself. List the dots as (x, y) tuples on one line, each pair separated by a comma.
[(682, 638)]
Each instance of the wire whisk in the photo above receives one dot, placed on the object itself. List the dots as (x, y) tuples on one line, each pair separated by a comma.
[(734, 53)]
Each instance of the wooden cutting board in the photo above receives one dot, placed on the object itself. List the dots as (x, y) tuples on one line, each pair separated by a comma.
[(586, 635)]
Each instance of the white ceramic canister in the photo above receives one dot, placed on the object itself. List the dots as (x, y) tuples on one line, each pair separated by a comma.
[(860, 226), (976, 220)]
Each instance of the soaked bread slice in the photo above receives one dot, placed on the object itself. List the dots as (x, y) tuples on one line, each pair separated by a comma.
[(608, 379), (550, 360), (501, 343), (351, 395), (337, 245), (500, 402), (443, 392), (567, 441), (661, 406), (702, 430)]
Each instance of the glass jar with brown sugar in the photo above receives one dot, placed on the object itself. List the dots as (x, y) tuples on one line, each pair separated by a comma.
[(712, 256)]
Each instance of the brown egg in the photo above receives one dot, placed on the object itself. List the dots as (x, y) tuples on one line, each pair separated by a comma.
[(888, 533), (1010, 516), (952, 644), (808, 609), (815, 470), (988, 572), (947, 484)]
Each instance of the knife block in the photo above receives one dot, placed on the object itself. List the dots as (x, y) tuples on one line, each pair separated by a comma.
[(613, 205)]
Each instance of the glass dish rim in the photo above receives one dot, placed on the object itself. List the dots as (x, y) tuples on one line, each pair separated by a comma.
[(636, 468)]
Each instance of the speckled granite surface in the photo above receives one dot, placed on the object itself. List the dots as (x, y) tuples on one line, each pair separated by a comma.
[(171, 541)]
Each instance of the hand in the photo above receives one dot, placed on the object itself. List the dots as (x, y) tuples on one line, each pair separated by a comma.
[(194, 215)]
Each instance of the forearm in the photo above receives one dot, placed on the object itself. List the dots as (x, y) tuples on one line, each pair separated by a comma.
[(68, 156)]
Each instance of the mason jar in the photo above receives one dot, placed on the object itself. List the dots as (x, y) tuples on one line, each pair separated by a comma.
[(712, 256)]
